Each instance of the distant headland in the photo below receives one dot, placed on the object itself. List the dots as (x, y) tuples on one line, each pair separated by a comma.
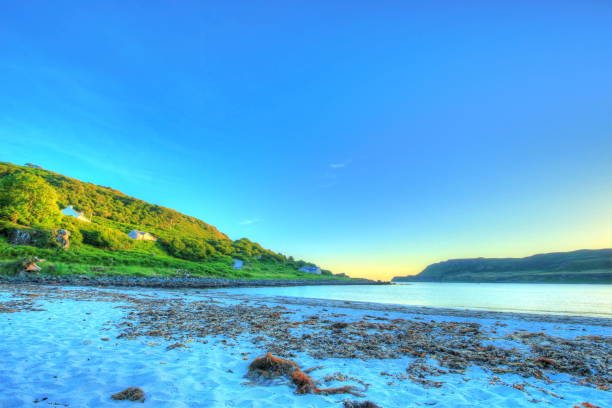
[(582, 266)]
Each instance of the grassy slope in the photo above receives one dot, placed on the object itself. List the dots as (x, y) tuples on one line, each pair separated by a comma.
[(112, 210), (583, 266), (87, 260)]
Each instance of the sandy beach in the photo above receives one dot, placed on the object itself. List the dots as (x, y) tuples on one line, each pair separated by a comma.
[(76, 347)]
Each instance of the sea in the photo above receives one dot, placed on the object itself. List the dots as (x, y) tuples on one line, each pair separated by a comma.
[(564, 299)]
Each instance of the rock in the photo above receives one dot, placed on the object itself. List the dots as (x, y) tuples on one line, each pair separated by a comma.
[(30, 264), (175, 345), (359, 404), (21, 237), (131, 394), (63, 238), (36, 401)]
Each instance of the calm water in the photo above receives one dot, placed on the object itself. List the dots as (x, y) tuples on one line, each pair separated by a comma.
[(587, 300)]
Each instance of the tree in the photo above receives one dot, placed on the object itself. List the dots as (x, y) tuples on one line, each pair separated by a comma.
[(28, 200)]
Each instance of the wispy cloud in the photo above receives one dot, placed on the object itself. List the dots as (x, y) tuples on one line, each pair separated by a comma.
[(331, 175), (339, 165), (250, 221)]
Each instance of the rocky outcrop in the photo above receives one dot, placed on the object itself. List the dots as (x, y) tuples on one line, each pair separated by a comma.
[(30, 265), (21, 237), (44, 239), (63, 238)]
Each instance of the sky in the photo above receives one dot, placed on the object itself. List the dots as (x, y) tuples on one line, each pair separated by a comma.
[(372, 138)]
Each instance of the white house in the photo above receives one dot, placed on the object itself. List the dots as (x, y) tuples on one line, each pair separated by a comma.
[(141, 235), (311, 269), (238, 263), (70, 211)]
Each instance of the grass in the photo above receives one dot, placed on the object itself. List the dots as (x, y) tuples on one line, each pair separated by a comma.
[(144, 261)]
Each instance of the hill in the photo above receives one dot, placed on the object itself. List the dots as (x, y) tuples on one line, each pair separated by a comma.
[(582, 266), (31, 204)]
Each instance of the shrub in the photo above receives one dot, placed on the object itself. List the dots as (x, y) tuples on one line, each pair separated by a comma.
[(106, 238), (191, 249), (28, 200)]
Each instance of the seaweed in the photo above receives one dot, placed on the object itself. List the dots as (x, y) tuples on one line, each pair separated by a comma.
[(271, 367), (303, 382), (130, 394)]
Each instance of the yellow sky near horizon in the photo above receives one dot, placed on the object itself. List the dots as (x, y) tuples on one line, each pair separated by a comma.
[(386, 267), (583, 221)]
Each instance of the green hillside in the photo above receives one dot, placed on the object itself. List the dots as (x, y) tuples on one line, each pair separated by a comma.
[(31, 203), (582, 266)]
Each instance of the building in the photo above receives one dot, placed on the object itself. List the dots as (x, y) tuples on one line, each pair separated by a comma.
[(310, 269), (141, 235), (70, 211), (238, 264)]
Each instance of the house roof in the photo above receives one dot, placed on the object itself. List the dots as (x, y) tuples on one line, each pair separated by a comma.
[(72, 212)]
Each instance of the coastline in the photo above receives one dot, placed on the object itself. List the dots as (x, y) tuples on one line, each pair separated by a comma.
[(175, 283), (188, 348), (606, 281), (429, 310)]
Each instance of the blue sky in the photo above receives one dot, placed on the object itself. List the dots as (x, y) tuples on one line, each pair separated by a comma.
[(370, 137)]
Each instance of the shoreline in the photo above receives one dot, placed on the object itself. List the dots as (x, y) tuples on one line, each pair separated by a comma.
[(559, 282), (395, 282), (428, 310), (218, 287), (177, 283), (170, 284)]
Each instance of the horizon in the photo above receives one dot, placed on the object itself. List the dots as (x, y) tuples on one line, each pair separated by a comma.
[(372, 141)]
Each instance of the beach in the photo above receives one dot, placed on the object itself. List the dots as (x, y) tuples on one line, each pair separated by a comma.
[(78, 346)]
